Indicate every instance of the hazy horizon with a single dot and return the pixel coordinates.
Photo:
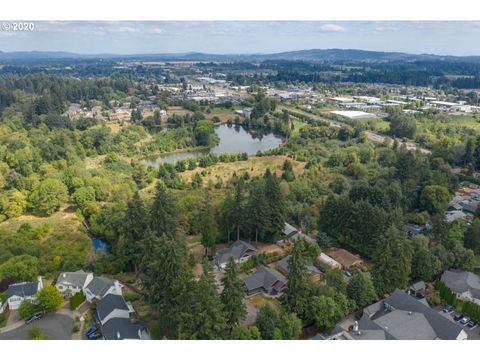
(458, 38)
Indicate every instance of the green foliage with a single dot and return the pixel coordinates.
(84, 196)
(48, 196)
(21, 268)
(208, 225)
(360, 289)
(243, 332)
(232, 295)
(434, 199)
(76, 300)
(393, 262)
(35, 333)
(402, 125)
(27, 309)
(49, 298)
(12, 203)
(205, 133)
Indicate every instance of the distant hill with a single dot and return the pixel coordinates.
(312, 54)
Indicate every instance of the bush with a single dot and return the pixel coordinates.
(27, 309)
(4, 318)
(76, 300)
(35, 333)
(76, 328)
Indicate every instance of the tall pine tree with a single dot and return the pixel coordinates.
(232, 295)
(164, 213)
(276, 207)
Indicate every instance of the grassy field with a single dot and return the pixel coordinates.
(258, 300)
(256, 166)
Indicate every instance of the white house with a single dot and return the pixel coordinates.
(24, 291)
(465, 284)
(70, 283)
(100, 286)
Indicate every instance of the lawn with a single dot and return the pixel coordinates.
(4, 318)
(258, 300)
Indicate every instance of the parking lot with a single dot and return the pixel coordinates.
(473, 334)
(53, 326)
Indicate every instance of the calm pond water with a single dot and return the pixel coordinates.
(232, 140)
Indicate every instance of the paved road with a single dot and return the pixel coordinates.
(370, 134)
(55, 326)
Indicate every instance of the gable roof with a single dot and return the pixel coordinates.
(100, 285)
(237, 250)
(265, 278)
(402, 317)
(443, 327)
(462, 281)
(23, 289)
(109, 303)
(76, 278)
(284, 267)
(121, 328)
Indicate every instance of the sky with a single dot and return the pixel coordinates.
(245, 37)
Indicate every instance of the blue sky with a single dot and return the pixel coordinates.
(125, 37)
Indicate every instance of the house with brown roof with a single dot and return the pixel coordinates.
(345, 258)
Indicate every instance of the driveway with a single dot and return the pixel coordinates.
(54, 326)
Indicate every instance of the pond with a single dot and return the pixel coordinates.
(233, 139)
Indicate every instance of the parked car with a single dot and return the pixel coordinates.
(458, 317)
(347, 273)
(91, 331)
(36, 316)
(94, 336)
(472, 324)
(448, 309)
(464, 321)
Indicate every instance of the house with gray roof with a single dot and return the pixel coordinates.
(100, 286)
(114, 319)
(265, 280)
(24, 291)
(401, 317)
(283, 267)
(112, 306)
(70, 283)
(292, 234)
(240, 250)
(124, 329)
(465, 284)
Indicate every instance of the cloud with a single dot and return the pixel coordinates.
(156, 31)
(332, 28)
(125, 29)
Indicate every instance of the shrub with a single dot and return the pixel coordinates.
(76, 300)
(27, 309)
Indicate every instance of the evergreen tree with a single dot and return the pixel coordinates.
(257, 210)
(392, 262)
(296, 295)
(267, 322)
(132, 232)
(164, 213)
(227, 216)
(232, 295)
(425, 265)
(360, 289)
(166, 277)
(238, 208)
(207, 321)
(276, 207)
(243, 332)
(208, 225)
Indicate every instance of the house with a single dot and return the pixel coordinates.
(113, 317)
(265, 280)
(24, 291)
(112, 306)
(70, 283)
(324, 259)
(283, 267)
(101, 286)
(401, 317)
(292, 234)
(345, 258)
(124, 329)
(465, 284)
(240, 250)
